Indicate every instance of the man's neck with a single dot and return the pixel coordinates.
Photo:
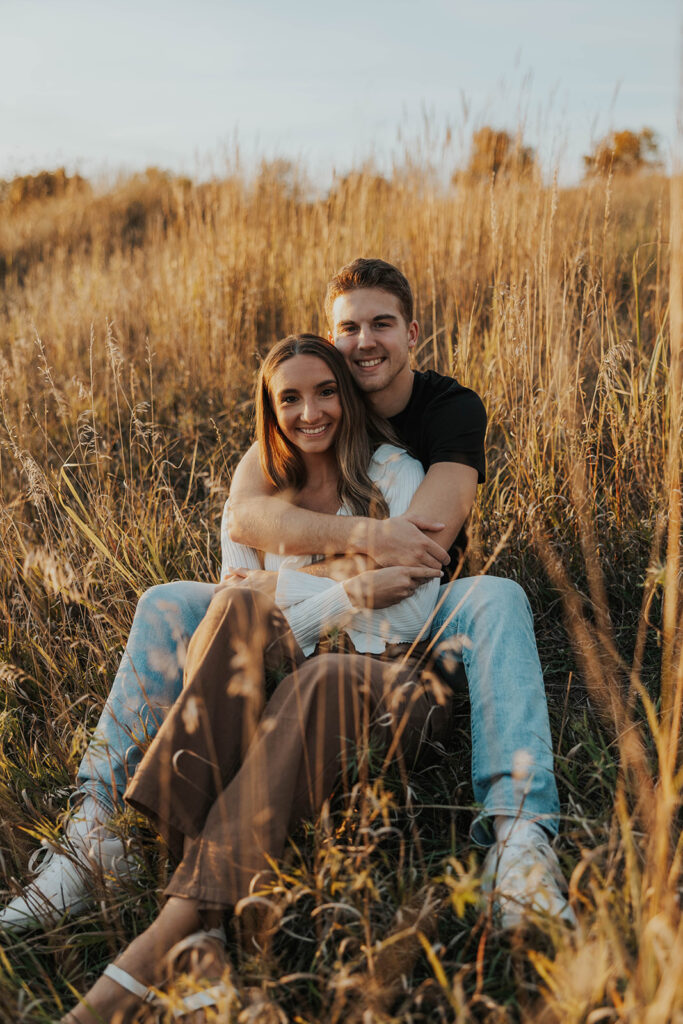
(392, 400)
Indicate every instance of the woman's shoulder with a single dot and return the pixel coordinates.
(389, 457)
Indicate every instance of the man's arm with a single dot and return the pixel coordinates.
(261, 518)
(446, 494)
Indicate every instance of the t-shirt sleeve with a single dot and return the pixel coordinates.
(455, 429)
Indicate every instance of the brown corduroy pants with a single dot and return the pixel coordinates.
(234, 768)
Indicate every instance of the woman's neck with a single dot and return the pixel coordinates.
(321, 468)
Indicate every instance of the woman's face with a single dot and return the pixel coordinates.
(305, 398)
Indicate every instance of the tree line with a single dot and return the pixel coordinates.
(494, 153)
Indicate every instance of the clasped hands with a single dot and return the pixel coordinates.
(402, 558)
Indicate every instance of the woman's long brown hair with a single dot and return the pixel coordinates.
(360, 430)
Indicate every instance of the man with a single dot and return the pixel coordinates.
(485, 621)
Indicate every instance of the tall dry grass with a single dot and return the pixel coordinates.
(131, 322)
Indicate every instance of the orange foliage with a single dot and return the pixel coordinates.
(45, 185)
(624, 152)
(500, 154)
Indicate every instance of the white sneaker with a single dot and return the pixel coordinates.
(525, 876)
(65, 879)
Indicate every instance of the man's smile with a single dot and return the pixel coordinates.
(367, 364)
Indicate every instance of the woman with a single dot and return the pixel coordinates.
(224, 779)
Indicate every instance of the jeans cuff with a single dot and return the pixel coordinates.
(481, 829)
(99, 792)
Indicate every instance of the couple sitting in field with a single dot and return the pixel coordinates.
(238, 762)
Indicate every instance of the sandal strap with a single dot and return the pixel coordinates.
(131, 984)
(207, 933)
(199, 1000)
(196, 939)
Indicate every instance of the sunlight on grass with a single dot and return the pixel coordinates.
(131, 322)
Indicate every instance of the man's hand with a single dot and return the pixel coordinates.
(255, 579)
(265, 520)
(380, 588)
(403, 541)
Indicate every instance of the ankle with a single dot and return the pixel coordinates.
(178, 919)
(143, 958)
(91, 813)
(518, 829)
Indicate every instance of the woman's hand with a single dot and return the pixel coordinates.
(255, 579)
(380, 588)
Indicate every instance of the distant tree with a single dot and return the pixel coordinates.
(498, 153)
(624, 152)
(45, 185)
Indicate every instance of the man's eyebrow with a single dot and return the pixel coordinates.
(380, 316)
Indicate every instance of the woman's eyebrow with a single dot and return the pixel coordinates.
(318, 384)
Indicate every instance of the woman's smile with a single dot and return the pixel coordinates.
(314, 431)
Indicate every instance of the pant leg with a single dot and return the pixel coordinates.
(146, 685)
(242, 638)
(307, 737)
(487, 623)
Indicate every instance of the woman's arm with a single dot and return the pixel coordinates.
(314, 605)
(399, 476)
(269, 521)
(233, 555)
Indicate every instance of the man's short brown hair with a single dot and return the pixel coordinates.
(370, 273)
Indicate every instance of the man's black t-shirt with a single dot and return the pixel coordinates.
(443, 422)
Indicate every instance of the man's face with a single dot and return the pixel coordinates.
(370, 332)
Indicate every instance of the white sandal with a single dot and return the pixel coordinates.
(202, 998)
(147, 994)
(195, 938)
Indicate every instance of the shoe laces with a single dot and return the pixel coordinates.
(41, 857)
(527, 869)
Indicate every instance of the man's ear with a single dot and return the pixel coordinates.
(330, 337)
(413, 333)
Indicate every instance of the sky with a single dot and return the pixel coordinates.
(119, 86)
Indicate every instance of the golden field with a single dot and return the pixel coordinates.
(131, 320)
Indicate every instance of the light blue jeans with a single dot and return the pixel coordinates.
(483, 621)
(486, 622)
